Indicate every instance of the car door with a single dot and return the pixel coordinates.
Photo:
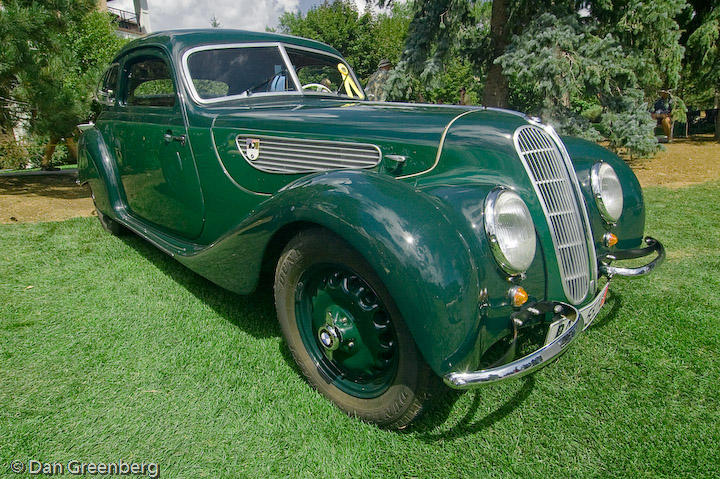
(154, 159)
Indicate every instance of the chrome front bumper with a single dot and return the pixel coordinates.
(533, 361)
(582, 318)
(653, 246)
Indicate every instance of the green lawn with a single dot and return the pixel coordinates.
(23, 170)
(110, 350)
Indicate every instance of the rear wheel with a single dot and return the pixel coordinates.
(346, 333)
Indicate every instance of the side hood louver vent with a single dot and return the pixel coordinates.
(273, 154)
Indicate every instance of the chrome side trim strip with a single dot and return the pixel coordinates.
(440, 146)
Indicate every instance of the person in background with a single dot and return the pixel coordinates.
(375, 89)
(662, 112)
(464, 100)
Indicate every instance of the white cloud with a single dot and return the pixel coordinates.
(243, 14)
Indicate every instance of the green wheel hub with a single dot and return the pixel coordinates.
(347, 330)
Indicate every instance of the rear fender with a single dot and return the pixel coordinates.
(97, 168)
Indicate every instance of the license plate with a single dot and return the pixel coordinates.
(590, 311)
(557, 328)
(588, 314)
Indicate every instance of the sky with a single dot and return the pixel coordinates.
(243, 14)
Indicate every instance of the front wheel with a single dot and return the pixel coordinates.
(346, 334)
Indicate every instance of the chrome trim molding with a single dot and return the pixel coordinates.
(187, 78)
(554, 181)
(440, 146)
(527, 364)
(284, 155)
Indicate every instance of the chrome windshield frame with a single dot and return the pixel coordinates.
(187, 77)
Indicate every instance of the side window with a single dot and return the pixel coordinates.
(149, 83)
(108, 86)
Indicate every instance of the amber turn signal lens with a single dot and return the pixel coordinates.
(610, 239)
(518, 296)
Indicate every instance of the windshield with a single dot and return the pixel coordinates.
(221, 73)
(324, 74)
(233, 72)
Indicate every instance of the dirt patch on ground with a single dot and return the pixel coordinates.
(57, 197)
(685, 161)
(43, 198)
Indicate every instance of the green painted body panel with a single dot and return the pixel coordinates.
(411, 131)
(420, 227)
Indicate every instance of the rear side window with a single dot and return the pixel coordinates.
(108, 86)
(225, 72)
(149, 83)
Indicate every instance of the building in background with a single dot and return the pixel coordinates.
(130, 24)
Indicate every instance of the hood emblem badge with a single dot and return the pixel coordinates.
(252, 148)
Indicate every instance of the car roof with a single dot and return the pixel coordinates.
(180, 40)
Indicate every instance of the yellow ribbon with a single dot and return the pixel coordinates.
(348, 82)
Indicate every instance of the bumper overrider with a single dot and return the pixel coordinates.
(574, 320)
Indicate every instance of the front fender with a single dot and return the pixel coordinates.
(404, 234)
(631, 224)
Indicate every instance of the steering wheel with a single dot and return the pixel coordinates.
(317, 87)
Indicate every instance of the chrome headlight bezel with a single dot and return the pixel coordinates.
(609, 211)
(492, 229)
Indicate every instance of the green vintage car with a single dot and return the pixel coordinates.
(410, 245)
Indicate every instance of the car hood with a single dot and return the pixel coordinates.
(410, 130)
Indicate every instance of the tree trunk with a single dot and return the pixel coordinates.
(496, 85)
(47, 156)
(72, 147)
(717, 115)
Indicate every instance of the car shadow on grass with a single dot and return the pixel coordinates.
(427, 427)
(606, 316)
(253, 313)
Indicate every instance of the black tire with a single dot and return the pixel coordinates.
(414, 382)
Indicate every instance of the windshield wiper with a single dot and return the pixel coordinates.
(249, 91)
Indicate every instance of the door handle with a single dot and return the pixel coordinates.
(169, 137)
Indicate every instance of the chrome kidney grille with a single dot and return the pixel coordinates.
(559, 196)
(295, 155)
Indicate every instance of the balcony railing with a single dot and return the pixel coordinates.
(126, 20)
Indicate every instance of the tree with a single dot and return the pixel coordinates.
(702, 60)
(569, 64)
(557, 59)
(352, 33)
(56, 53)
(496, 86)
(214, 22)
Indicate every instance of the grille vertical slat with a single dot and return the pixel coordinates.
(548, 171)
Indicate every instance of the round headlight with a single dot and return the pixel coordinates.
(607, 191)
(510, 229)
